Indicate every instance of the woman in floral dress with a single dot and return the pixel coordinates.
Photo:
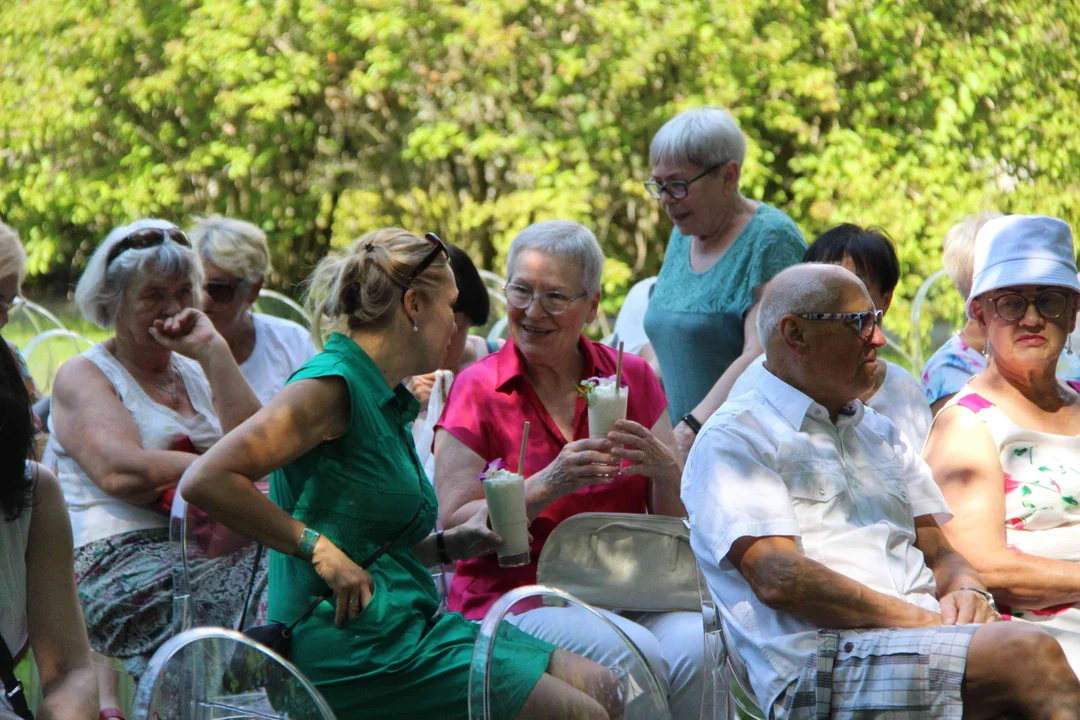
(1006, 448)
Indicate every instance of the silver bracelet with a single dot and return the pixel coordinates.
(986, 594)
(306, 548)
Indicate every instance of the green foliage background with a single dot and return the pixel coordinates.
(320, 119)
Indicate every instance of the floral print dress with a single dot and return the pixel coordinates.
(1042, 505)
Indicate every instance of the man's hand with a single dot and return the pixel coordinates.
(965, 607)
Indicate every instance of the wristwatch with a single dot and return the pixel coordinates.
(692, 423)
(989, 597)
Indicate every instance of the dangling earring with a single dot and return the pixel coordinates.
(416, 329)
(1068, 345)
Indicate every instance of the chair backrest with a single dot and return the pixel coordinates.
(50, 349)
(640, 691)
(214, 673)
(936, 310)
(31, 318)
(282, 306)
(206, 554)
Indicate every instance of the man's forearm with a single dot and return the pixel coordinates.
(825, 598)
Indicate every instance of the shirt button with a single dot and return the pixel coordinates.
(848, 647)
(821, 491)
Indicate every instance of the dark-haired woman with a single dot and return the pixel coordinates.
(470, 310)
(38, 603)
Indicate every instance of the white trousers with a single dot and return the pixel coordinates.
(672, 642)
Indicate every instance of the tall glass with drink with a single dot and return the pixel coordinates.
(505, 494)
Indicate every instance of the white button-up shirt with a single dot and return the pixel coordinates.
(770, 462)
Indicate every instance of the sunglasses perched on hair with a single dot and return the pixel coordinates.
(677, 189)
(1050, 304)
(863, 323)
(438, 246)
(147, 238)
(223, 291)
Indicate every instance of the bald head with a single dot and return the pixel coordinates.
(806, 288)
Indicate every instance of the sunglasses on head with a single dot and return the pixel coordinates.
(147, 238)
(222, 291)
(438, 246)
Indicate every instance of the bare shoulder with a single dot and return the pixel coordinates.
(78, 376)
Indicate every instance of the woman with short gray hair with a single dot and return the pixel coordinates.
(700, 319)
(128, 417)
(236, 260)
(539, 376)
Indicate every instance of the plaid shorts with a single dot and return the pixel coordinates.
(895, 674)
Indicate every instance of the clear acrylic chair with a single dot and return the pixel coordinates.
(206, 554)
(48, 350)
(274, 303)
(936, 310)
(726, 681)
(640, 691)
(218, 674)
(27, 318)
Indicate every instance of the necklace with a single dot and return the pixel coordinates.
(172, 388)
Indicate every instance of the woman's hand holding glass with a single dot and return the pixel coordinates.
(579, 464)
(352, 584)
(472, 539)
(647, 455)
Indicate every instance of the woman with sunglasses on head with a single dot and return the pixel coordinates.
(701, 316)
(128, 417)
(351, 511)
(554, 271)
(235, 262)
(1006, 449)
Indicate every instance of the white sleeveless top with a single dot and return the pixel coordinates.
(14, 535)
(95, 514)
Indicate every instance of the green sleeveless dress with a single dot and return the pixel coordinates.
(397, 659)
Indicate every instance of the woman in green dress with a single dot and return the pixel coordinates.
(345, 480)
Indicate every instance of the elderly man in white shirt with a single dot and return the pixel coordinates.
(815, 525)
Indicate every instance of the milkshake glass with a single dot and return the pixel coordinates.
(606, 406)
(505, 493)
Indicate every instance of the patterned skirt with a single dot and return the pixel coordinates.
(125, 586)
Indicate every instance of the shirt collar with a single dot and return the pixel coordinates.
(794, 405)
(510, 363)
(399, 401)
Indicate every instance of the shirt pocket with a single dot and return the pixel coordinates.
(896, 497)
(814, 490)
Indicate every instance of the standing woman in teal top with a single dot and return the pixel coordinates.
(701, 317)
(345, 480)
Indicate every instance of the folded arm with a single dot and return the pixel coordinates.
(965, 462)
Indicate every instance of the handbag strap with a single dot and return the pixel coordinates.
(13, 689)
(365, 564)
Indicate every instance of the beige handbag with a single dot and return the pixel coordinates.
(623, 561)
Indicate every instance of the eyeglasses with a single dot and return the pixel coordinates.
(146, 238)
(1050, 304)
(677, 189)
(553, 302)
(863, 323)
(223, 291)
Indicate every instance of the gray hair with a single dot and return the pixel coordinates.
(12, 254)
(237, 247)
(565, 239)
(958, 250)
(798, 290)
(703, 137)
(102, 286)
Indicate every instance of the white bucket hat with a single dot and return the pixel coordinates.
(1023, 250)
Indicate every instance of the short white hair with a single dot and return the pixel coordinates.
(702, 137)
(12, 254)
(795, 291)
(101, 288)
(565, 239)
(237, 247)
(958, 250)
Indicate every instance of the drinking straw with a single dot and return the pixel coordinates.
(618, 370)
(524, 440)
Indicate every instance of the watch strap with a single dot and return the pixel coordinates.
(692, 422)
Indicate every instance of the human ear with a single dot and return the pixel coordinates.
(792, 334)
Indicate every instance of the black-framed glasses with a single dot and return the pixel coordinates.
(553, 301)
(1050, 304)
(146, 238)
(677, 189)
(862, 322)
(223, 291)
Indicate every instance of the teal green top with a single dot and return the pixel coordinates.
(397, 659)
(695, 320)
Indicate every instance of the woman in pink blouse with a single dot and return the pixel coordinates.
(553, 292)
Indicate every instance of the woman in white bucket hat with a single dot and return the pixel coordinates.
(1006, 449)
